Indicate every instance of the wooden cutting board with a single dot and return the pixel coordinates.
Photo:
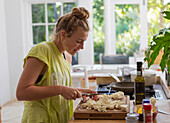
(82, 113)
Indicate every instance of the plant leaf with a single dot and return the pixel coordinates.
(162, 65)
(147, 54)
(168, 65)
(167, 14)
(163, 61)
(160, 41)
(154, 54)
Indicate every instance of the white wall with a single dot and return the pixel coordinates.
(4, 69)
(14, 42)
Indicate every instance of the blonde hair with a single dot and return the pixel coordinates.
(70, 22)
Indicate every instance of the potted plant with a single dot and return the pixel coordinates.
(160, 41)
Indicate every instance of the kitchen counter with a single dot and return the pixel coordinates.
(0, 114)
(81, 70)
(162, 105)
(164, 86)
(161, 118)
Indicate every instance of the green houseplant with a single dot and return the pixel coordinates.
(160, 41)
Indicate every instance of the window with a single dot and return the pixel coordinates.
(119, 27)
(127, 23)
(45, 28)
(44, 17)
(137, 10)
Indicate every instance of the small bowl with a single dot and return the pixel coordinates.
(138, 109)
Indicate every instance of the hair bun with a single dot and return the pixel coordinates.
(80, 13)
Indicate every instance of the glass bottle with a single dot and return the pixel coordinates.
(139, 85)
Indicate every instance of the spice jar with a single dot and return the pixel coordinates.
(132, 118)
(145, 101)
(147, 113)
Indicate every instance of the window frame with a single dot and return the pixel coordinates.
(46, 24)
(109, 21)
(26, 19)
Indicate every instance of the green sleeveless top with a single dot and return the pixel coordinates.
(54, 109)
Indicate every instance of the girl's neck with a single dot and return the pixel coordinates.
(59, 46)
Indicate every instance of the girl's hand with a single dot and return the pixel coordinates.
(70, 93)
(85, 90)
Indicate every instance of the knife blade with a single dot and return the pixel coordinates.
(160, 111)
(89, 94)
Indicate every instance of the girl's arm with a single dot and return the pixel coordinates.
(26, 90)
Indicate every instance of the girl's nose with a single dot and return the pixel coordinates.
(81, 46)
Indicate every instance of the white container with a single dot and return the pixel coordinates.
(149, 76)
(132, 118)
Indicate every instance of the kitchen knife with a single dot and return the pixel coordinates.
(160, 111)
(90, 94)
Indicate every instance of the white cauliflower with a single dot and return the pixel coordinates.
(124, 108)
(117, 96)
(106, 102)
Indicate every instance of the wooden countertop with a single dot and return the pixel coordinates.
(165, 106)
(161, 118)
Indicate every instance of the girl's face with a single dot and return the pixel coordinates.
(74, 43)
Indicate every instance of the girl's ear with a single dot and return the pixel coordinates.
(63, 34)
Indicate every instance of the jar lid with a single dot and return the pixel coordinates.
(146, 101)
(132, 115)
(139, 63)
(147, 106)
(132, 119)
